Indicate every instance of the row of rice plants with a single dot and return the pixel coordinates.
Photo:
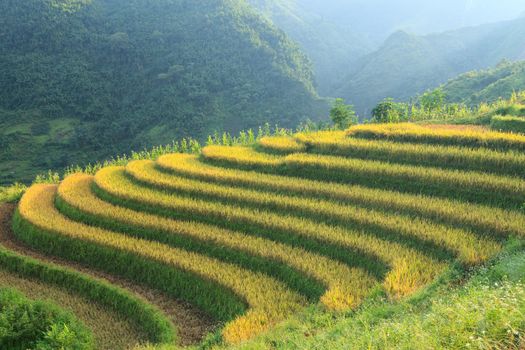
(409, 132)
(345, 286)
(281, 145)
(469, 247)
(470, 186)
(409, 269)
(157, 328)
(217, 287)
(452, 157)
(483, 219)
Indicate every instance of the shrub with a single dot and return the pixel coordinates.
(39, 325)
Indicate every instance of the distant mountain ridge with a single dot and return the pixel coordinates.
(330, 45)
(407, 64)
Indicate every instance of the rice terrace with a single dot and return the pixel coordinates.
(262, 175)
(250, 235)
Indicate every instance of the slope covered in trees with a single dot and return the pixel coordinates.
(487, 85)
(84, 79)
(332, 45)
(408, 64)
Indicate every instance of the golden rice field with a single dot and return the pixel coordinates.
(251, 235)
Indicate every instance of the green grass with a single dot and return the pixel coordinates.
(479, 309)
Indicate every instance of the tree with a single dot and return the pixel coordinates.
(342, 115)
(432, 101)
(389, 111)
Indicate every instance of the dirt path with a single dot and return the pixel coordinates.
(192, 324)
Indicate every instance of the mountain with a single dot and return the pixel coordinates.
(337, 34)
(332, 45)
(407, 64)
(487, 85)
(85, 79)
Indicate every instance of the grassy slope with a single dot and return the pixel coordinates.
(483, 307)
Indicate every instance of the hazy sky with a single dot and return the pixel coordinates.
(381, 17)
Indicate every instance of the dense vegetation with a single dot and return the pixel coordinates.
(488, 85)
(38, 325)
(407, 64)
(83, 80)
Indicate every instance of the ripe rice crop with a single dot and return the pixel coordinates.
(408, 132)
(242, 157)
(470, 248)
(280, 145)
(409, 269)
(461, 158)
(479, 218)
(471, 186)
(268, 300)
(346, 286)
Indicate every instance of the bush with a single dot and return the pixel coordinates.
(509, 124)
(39, 325)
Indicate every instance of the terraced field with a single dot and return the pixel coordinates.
(251, 235)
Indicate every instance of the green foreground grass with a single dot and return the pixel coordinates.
(477, 309)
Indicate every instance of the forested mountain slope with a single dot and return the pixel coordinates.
(332, 45)
(487, 85)
(84, 79)
(408, 64)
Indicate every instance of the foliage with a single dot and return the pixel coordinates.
(389, 111)
(487, 86)
(342, 115)
(84, 79)
(406, 65)
(508, 124)
(12, 193)
(156, 326)
(39, 325)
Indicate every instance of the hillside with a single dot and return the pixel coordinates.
(487, 85)
(406, 64)
(82, 80)
(332, 45)
(394, 221)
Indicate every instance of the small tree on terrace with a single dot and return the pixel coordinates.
(433, 101)
(342, 115)
(389, 111)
